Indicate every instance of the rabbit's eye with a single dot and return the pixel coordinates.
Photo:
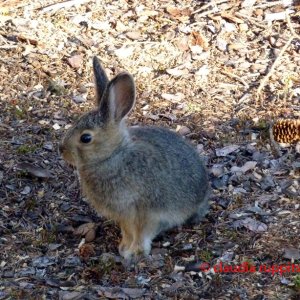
(85, 138)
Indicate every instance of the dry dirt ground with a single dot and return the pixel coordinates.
(218, 72)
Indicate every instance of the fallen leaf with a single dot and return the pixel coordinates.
(249, 165)
(171, 97)
(251, 224)
(86, 251)
(26, 190)
(226, 150)
(198, 39)
(75, 61)
(177, 72)
(291, 253)
(34, 170)
(178, 12)
(134, 35)
(124, 52)
(231, 18)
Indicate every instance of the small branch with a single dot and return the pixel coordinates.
(204, 7)
(66, 4)
(275, 63)
(236, 78)
(277, 60)
(271, 3)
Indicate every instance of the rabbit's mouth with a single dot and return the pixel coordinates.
(66, 155)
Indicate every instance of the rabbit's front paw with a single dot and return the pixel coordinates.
(123, 248)
(138, 249)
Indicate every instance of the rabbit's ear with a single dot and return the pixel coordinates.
(100, 79)
(119, 97)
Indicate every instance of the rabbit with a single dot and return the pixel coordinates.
(147, 179)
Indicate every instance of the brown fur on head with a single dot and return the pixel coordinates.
(98, 133)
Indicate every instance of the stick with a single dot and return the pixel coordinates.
(236, 78)
(66, 4)
(277, 60)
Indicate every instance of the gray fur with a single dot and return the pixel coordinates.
(146, 177)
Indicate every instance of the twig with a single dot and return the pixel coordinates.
(236, 78)
(213, 3)
(252, 20)
(277, 60)
(66, 4)
(270, 4)
(291, 28)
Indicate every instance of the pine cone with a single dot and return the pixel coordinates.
(286, 131)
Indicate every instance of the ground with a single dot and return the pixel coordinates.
(217, 72)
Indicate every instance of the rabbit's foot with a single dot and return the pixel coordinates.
(138, 249)
(123, 248)
(126, 241)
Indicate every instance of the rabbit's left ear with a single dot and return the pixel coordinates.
(101, 79)
(118, 98)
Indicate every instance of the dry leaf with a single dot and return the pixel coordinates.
(34, 171)
(249, 165)
(171, 97)
(251, 224)
(177, 12)
(86, 251)
(198, 39)
(291, 253)
(134, 35)
(177, 72)
(231, 18)
(75, 61)
(226, 150)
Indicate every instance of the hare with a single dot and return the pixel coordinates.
(147, 179)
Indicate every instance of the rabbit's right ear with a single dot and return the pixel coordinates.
(118, 98)
(100, 78)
